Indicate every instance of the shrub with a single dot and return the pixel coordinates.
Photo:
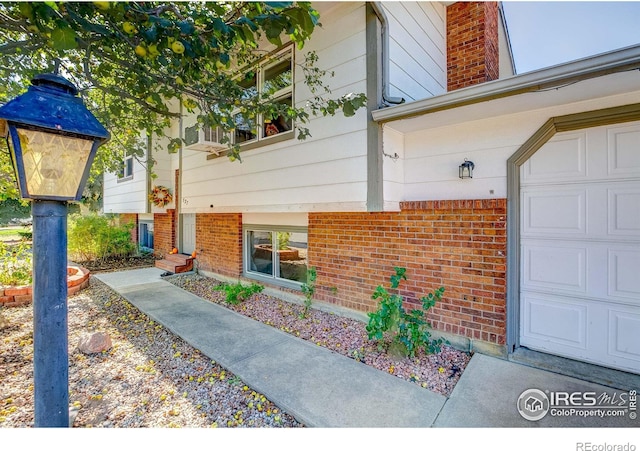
(237, 292)
(309, 289)
(95, 237)
(405, 332)
(15, 264)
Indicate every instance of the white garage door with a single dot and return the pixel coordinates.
(580, 247)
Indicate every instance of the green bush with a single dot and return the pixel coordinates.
(405, 332)
(95, 237)
(309, 289)
(237, 292)
(15, 264)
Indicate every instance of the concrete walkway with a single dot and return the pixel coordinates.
(321, 388)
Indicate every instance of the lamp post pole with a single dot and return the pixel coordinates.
(50, 329)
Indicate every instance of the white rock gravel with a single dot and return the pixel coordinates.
(152, 378)
(149, 377)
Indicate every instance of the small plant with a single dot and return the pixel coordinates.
(405, 331)
(309, 289)
(15, 264)
(283, 240)
(237, 292)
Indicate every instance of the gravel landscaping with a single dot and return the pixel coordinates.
(149, 377)
(152, 378)
(436, 372)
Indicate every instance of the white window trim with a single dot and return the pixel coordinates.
(246, 256)
(125, 177)
(283, 93)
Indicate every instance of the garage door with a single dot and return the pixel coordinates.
(580, 247)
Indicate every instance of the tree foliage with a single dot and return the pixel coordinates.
(135, 62)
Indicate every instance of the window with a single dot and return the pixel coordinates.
(126, 169)
(272, 79)
(145, 235)
(276, 254)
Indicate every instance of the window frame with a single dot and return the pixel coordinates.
(246, 254)
(123, 174)
(276, 57)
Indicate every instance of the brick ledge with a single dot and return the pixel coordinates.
(77, 279)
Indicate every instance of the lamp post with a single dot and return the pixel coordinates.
(52, 139)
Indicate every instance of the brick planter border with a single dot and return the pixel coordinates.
(77, 279)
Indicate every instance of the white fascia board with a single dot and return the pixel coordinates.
(617, 61)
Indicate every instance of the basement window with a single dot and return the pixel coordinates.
(276, 254)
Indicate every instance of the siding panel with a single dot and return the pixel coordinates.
(417, 49)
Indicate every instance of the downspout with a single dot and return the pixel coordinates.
(178, 200)
(149, 163)
(382, 17)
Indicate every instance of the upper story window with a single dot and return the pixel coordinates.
(126, 169)
(273, 79)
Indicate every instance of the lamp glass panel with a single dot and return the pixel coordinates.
(53, 164)
(14, 161)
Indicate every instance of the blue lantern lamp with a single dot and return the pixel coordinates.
(53, 139)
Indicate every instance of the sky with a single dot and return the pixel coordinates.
(547, 33)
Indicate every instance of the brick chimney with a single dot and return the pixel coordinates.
(472, 44)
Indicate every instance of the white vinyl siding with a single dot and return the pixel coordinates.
(324, 172)
(131, 195)
(393, 169)
(126, 195)
(417, 49)
(433, 153)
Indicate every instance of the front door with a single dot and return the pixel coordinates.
(188, 233)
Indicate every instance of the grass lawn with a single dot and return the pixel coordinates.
(11, 233)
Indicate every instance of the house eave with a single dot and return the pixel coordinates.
(621, 60)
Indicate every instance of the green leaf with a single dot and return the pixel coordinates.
(348, 109)
(26, 10)
(64, 38)
(220, 26)
(151, 33)
(279, 5)
(186, 27)
(247, 21)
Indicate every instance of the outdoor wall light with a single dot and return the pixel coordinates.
(465, 170)
(52, 139)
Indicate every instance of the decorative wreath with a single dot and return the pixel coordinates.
(160, 196)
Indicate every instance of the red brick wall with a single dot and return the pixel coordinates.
(164, 232)
(472, 44)
(219, 243)
(126, 218)
(460, 245)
